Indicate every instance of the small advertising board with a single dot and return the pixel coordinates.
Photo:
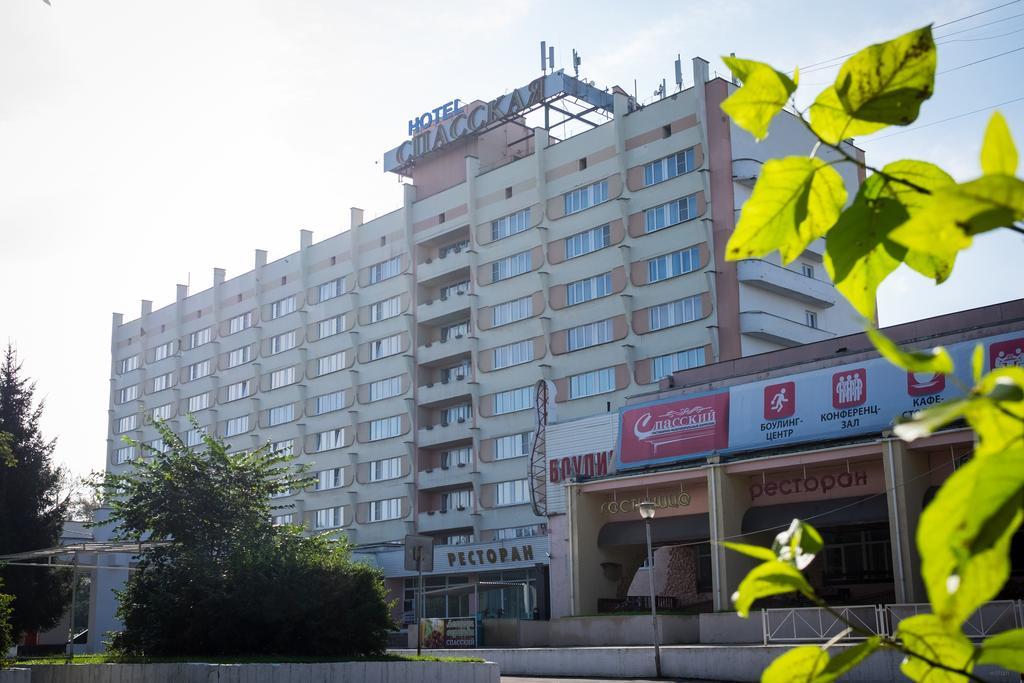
(456, 632)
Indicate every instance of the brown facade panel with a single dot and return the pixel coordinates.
(658, 133)
(435, 220)
(556, 205)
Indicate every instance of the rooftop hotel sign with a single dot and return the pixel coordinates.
(821, 405)
(452, 121)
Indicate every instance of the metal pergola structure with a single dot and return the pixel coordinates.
(57, 557)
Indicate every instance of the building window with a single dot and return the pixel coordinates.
(457, 539)
(282, 378)
(332, 363)
(194, 437)
(513, 400)
(284, 448)
(669, 167)
(457, 457)
(283, 307)
(157, 446)
(200, 337)
(513, 446)
(455, 330)
(198, 402)
(128, 364)
(512, 311)
(385, 388)
(328, 518)
(457, 500)
(238, 390)
(676, 312)
(239, 323)
(585, 197)
(332, 289)
(332, 438)
(162, 412)
(328, 403)
(591, 334)
(124, 454)
(389, 468)
(513, 354)
(330, 326)
(385, 428)
(457, 413)
(453, 248)
(670, 214)
(388, 346)
(664, 366)
(383, 510)
(514, 492)
(284, 342)
(330, 479)
(588, 288)
(126, 424)
(199, 370)
(126, 394)
(455, 289)
(811, 318)
(857, 555)
(587, 241)
(236, 426)
(239, 356)
(281, 520)
(163, 351)
(456, 373)
(385, 270)
(511, 266)
(161, 382)
(670, 265)
(510, 224)
(382, 310)
(590, 383)
(280, 415)
(515, 532)
(807, 269)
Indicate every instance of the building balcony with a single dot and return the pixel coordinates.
(438, 520)
(442, 265)
(444, 308)
(444, 391)
(773, 278)
(435, 435)
(444, 477)
(438, 351)
(779, 330)
(746, 171)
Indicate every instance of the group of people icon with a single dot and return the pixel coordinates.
(849, 389)
(1009, 360)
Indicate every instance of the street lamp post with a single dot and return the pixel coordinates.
(647, 512)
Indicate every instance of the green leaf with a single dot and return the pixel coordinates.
(847, 659)
(755, 551)
(764, 93)
(887, 83)
(925, 422)
(998, 153)
(997, 411)
(1004, 649)
(804, 663)
(936, 360)
(832, 123)
(964, 535)
(767, 579)
(926, 636)
(795, 201)
(798, 544)
(978, 362)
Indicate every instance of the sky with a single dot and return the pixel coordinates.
(145, 142)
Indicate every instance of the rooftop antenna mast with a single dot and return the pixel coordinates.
(679, 72)
(576, 61)
(547, 57)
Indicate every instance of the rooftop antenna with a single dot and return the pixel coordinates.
(576, 61)
(551, 58)
(679, 71)
(543, 56)
(662, 89)
(735, 81)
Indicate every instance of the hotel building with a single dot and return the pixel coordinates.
(398, 359)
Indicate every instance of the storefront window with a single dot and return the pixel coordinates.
(438, 603)
(517, 601)
(704, 568)
(857, 555)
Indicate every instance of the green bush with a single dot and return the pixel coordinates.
(6, 629)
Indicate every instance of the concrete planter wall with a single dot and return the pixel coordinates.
(728, 628)
(339, 672)
(15, 676)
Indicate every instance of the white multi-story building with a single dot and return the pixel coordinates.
(398, 359)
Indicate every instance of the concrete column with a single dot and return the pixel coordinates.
(906, 483)
(725, 516)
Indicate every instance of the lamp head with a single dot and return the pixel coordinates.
(647, 509)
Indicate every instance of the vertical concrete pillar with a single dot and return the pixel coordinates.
(727, 496)
(906, 483)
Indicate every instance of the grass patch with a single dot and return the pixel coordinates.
(251, 659)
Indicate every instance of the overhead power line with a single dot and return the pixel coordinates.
(935, 123)
(984, 11)
(964, 66)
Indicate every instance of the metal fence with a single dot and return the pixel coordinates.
(813, 624)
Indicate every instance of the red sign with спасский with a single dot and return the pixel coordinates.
(675, 429)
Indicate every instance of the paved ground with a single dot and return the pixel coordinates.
(530, 679)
